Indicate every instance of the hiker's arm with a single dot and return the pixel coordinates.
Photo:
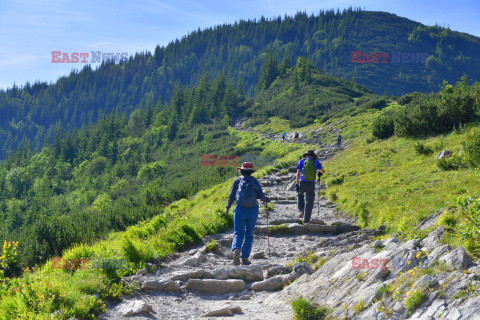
(320, 169)
(233, 192)
(297, 181)
(260, 194)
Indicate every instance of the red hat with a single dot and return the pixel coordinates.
(247, 166)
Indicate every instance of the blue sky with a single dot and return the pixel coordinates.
(30, 30)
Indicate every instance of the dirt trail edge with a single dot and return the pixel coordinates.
(355, 277)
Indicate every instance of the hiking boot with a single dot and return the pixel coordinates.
(236, 257)
(245, 261)
(301, 215)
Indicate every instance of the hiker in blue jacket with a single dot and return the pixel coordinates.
(245, 190)
(307, 170)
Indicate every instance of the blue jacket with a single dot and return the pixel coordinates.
(236, 183)
(318, 166)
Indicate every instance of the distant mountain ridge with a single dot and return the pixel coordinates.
(34, 113)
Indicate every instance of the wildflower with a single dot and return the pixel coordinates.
(408, 293)
(409, 261)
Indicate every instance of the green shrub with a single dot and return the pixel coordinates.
(305, 310)
(278, 230)
(453, 162)
(383, 127)
(211, 245)
(420, 148)
(472, 148)
(130, 251)
(414, 300)
(468, 208)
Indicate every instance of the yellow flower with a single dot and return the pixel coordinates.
(409, 261)
(408, 293)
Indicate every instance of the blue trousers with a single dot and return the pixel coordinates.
(244, 220)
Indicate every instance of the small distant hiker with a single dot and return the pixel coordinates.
(307, 170)
(339, 141)
(284, 135)
(296, 135)
(245, 190)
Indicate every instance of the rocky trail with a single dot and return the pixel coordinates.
(195, 283)
(328, 261)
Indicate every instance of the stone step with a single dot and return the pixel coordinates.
(211, 286)
(301, 229)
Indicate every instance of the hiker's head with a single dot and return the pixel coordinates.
(246, 169)
(310, 154)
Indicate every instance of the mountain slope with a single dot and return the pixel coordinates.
(35, 112)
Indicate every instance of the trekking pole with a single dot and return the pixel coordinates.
(268, 229)
(318, 199)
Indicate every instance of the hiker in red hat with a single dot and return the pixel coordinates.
(245, 190)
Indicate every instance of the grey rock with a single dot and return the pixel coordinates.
(458, 259)
(186, 275)
(433, 239)
(193, 261)
(247, 273)
(443, 154)
(301, 268)
(436, 253)
(133, 307)
(167, 286)
(258, 255)
(211, 286)
(274, 283)
(426, 282)
(430, 221)
(224, 312)
(276, 222)
(142, 272)
(319, 228)
(277, 270)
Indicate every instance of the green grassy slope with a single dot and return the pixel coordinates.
(40, 292)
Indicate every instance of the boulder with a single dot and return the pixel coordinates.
(258, 255)
(247, 273)
(142, 272)
(277, 270)
(433, 239)
(458, 259)
(187, 275)
(133, 307)
(168, 286)
(443, 154)
(211, 286)
(224, 312)
(274, 283)
(301, 268)
(436, 253)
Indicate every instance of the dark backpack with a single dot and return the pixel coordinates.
(247, 193)
(309, 170)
